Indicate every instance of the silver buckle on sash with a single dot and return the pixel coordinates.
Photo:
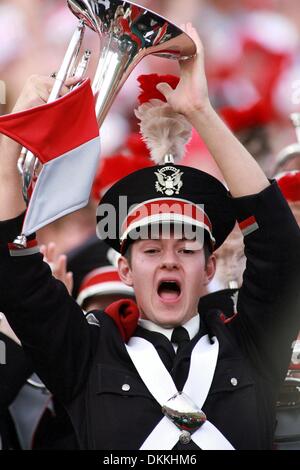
(185, 414)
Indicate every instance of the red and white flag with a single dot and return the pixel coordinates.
(64, 136)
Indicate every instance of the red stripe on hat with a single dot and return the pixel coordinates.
(165, 206)
(99, 276)
(56, 128)
(246, 223)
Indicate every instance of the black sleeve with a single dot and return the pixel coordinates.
(51, 326)
(15, 368)
(269, 299)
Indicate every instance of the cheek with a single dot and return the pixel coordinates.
(195, 278)
(195, 284)
(142, 275)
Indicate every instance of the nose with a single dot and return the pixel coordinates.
(169, 260)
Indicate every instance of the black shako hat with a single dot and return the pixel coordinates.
(167, 193)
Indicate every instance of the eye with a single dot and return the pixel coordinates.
(151, 251)
(186, 252)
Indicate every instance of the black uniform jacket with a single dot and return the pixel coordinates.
(85, 363)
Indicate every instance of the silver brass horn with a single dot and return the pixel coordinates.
(127, 33)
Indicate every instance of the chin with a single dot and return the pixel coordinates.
(170, 321)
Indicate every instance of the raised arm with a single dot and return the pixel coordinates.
(50, 325)
(240, 171)
(268, 303)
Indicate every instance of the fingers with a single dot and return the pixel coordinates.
(50, 252)
(45, 85)
(51, 256)
(59, 269)
(34, 93)
(58, 265)
(39, 86)
(189, 29)
(60, 272)
(71, 81)
(165, 89)
(69, 283)
(37, 90)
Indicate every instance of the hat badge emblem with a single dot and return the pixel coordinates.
(169, 180)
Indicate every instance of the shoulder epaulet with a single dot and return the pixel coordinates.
(91, 319)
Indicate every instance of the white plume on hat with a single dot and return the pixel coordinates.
(164, 131)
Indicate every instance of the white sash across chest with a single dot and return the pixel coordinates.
(161, 386)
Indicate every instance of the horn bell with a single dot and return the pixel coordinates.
(128, 33)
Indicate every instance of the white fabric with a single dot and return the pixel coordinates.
(192, 326)
(143, 352)
(25, 251)
(105, 288)
(63, 186)
(160, 384)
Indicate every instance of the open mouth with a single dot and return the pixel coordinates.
(169, 291)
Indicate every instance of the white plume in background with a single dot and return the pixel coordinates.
(164, 131)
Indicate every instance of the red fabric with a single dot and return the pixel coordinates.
(290, 186)
(135, 12)
(264, 74)
(246, 223)
(148, 86)
(227, 320)
(166, 206)
(125, 314)
(272, 66)
(29, 244)
(132, 157)
(238, 119)
(136, 146)
(124, 25)
(114, 168)
(53, 129)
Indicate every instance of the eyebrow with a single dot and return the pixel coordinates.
(192, 243)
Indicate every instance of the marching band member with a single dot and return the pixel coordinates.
(159, 374)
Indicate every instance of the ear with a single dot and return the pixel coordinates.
(125, 272)
(210, 269)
